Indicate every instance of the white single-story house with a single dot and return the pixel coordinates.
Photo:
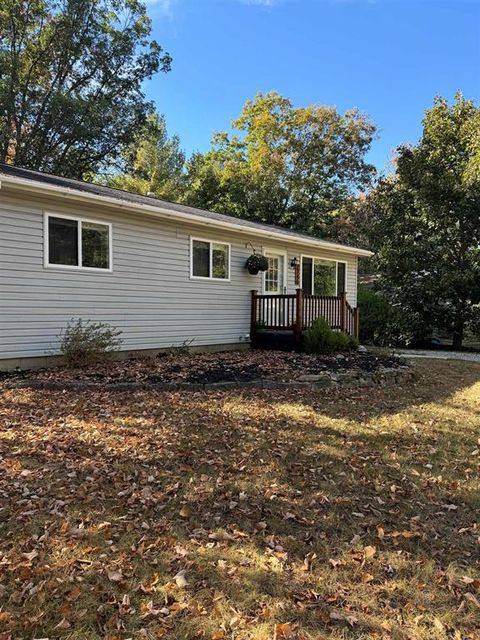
(165, 274)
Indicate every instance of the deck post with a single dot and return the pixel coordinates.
(298, 327)
(356, 321)
(343, 311)
(253, 313)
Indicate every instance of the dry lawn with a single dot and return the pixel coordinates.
(254, 515)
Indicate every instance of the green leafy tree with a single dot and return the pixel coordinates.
(71, 74)
(153, 162)
(427, 229)
(295, 167)
(352, 225)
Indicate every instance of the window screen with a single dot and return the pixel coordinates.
(220, 260)
(95, 249)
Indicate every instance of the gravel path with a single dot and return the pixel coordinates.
(438, 355)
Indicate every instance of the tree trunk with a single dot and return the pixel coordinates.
(458, 329)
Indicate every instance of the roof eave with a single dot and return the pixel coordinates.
(170, 214)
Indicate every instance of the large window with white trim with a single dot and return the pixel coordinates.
(77, 243)
(323, 277)
(209, 260)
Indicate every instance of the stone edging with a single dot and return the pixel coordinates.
(352, 378)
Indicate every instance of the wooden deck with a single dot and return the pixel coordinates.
(296, 312)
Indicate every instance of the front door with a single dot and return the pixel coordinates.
(274, 278)
(274, 283)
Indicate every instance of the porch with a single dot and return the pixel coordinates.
(291, 314)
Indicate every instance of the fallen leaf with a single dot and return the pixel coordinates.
(437, 623)
(471, 598)
(221, 536)
(63, 624)
(180, 579)
(340, 617)
(115, 576)
(369, 552)
(283, 631)
(185, 511)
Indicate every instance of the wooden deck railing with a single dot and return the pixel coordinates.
(297, 312)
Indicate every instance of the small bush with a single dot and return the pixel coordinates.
(182, 349)
(83, 343)
(320, 338)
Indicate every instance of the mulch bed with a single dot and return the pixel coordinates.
(207, 368)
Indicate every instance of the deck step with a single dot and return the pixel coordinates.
(275, 340)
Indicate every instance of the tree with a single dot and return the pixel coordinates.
(153, 162)
(427, 230)
(71, 74)
(352, 225)
(294, 167)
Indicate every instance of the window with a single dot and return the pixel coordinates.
(62, 241)
(323, 277)
(210, 259)
(307, 275)
(341, 277)
(77, 243)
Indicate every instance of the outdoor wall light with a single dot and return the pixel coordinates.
(295, 264)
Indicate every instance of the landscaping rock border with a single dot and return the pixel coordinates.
(351, 378)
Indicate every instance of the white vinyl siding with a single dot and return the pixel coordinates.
(149, 294)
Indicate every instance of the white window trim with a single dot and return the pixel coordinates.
(210, 278)
(275, 252)
(337, 262)
(75, 267)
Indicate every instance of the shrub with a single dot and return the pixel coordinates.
(386, 324)
(320, 338)
(83, 343)
(374, 311)
(379, 320)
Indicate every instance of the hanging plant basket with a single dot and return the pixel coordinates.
(256, 263)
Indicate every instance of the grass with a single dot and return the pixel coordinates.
(254, 515)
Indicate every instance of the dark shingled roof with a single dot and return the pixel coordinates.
(134, 198)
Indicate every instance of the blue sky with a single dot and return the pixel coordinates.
(389, 58)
